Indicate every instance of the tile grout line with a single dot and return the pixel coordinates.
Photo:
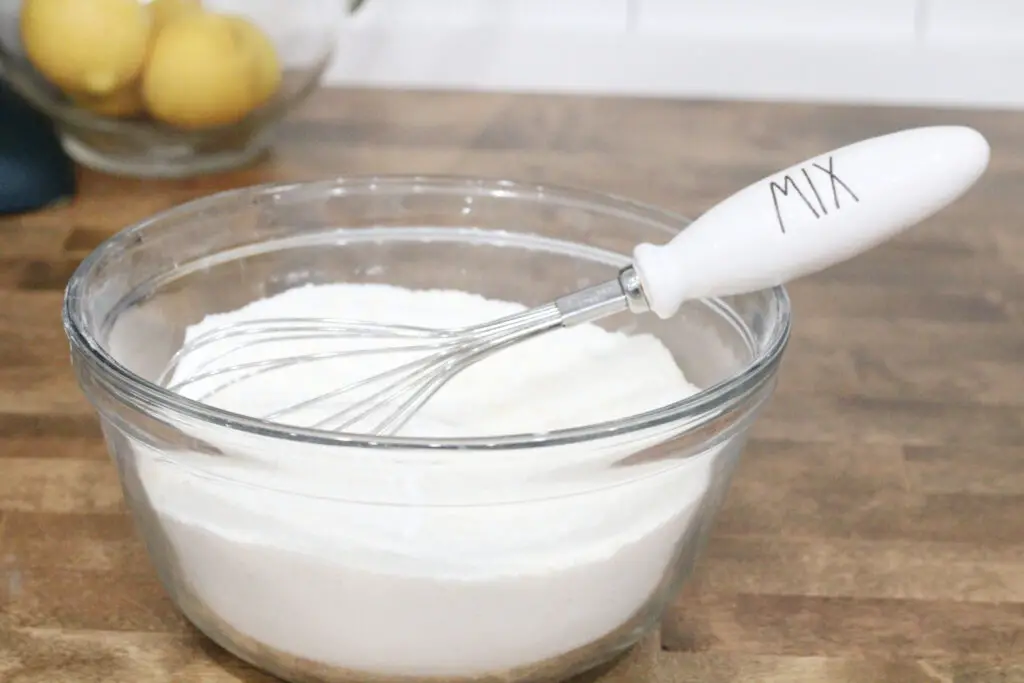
(632, 15)
(922, 16)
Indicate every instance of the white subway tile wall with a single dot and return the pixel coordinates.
(815, 19)
(911, 52)
(577, 15)
(958, 21)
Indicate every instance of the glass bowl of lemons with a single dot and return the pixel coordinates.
(166, 88)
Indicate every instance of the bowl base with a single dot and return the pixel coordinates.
(586, 663)
(178, 161)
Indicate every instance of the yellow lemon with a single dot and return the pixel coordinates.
(266, 65)
(164, 12)
(206, 70)
(124, 103)
(93, 47)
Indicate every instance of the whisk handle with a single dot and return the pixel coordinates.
(810, 216)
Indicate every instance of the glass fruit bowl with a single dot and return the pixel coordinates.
(307, 552)
(166, 88)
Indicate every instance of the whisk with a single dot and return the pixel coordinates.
(803, 219)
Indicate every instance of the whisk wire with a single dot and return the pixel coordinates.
(461, 358)
(395, 395)
(255, 332)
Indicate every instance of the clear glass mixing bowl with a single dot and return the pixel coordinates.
(559, 549)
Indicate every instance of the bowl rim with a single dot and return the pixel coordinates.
(28, 85)
(693, 412)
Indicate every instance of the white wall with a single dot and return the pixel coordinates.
(947, 52)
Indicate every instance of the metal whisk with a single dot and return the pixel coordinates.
(790, 224)
(399, 392)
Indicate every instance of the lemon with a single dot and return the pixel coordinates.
(208, 70)
(267, 67)
(164, 12)
(94, 47)
(124, 103)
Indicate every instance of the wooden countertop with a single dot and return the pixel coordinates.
(874, 533)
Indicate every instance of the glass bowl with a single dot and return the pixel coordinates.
(560, 549)
(199, 97)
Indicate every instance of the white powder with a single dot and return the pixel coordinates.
(536, 386)
(373, 561)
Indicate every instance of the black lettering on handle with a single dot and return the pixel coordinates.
(788, 184)
(834, 179)
(817, 196)
(783, 189)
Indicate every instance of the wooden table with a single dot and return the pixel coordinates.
(875, 531)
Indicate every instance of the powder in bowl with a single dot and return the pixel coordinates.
(566, 378)
(360, 561)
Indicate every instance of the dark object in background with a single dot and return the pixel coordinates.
(35, 172)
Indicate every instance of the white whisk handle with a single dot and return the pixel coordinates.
(812, 215)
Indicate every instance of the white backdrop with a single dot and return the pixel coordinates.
(948, 52)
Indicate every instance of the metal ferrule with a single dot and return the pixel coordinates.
(600, 301)
(633, 290)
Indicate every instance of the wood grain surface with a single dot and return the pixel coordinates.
(874, 533)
